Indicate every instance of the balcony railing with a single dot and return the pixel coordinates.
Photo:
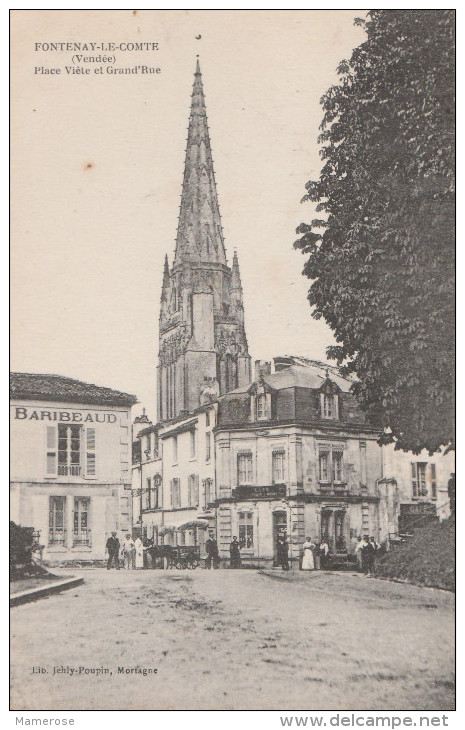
(333, 487)
(82, 537)
(57, 537)
(73, 470)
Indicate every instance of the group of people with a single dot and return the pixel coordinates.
(366, 550)
(131, 552)
(213, 556)
(136, 554)
(314, 556)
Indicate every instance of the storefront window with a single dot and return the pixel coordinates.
(57, 521)
(245, 520)
(81, 531)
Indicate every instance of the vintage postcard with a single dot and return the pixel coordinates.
(210, 509)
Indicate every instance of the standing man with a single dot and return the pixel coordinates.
(324, 550)
(113, 551)
(368, 556)
(235, 553)
(128, 552)
(451, 493)
(283, 553)
(211, 546)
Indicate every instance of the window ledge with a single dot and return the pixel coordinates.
(57, 548)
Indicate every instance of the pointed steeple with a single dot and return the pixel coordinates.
(199, 237)
(166, 278)
(236, 276)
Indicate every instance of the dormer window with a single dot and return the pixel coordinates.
(261, 407)
(329, 400)
(260, 401)
(329, 406)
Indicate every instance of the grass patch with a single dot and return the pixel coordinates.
(427, 559)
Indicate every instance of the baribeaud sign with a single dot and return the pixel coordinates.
(22, 413)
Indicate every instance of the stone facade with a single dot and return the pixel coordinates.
(70, 464)
(174, 479)
(295, 457)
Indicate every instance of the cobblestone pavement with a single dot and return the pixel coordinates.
(234, 640)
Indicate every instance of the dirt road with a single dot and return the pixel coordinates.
(234, 640)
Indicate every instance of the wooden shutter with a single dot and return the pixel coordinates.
(414, 480)
(90, 452)
(51, 465)
(434, 490)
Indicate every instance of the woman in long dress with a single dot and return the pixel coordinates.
(139, 545)
(307, 562)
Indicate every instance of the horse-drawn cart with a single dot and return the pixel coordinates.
(186, 556)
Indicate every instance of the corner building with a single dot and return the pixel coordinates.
(202, 340)
(70, 476)
(295, 457)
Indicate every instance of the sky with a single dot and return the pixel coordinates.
(97, 165)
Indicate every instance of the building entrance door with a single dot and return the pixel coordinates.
(333, 529)
(279, 530)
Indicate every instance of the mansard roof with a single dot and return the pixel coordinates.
(300, 376)
(38, 386)
(295, 397)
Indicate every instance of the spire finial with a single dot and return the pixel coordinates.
(197, 67)
(236, 277)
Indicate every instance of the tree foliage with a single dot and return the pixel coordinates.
(381, 256)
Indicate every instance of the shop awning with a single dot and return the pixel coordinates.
(166, 528)
(201, 524)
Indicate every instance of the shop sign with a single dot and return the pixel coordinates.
(22, 414)
(271, 491)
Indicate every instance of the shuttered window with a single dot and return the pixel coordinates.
(245, 469)
(419, 488)
(175, 493)
(192, 440)
(193, 490)
(279, 467)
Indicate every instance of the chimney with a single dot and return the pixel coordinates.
(262, 367)
(282, 363)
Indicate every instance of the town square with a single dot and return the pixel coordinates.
(232, 480)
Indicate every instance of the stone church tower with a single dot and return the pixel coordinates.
(202, 342)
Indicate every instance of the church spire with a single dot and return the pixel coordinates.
(166, 279)
(236, 276)
(199, 237)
